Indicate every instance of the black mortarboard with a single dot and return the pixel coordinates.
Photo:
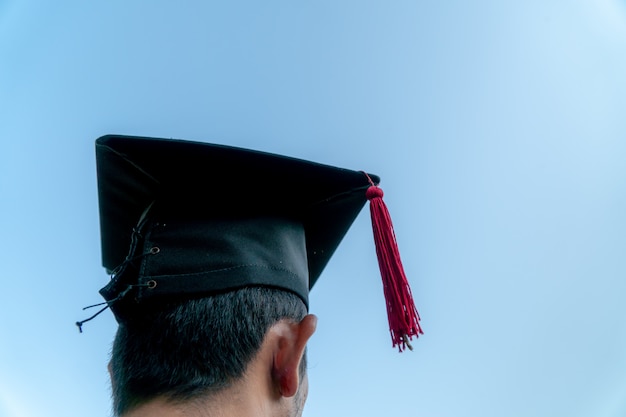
(183, 219)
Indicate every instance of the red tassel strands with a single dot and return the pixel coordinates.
(401, 312)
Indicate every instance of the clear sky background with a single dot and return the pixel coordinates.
(498, 129)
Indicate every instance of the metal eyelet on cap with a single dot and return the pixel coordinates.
(154, 250)
(151, 284)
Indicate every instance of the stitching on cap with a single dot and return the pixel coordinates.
(271, 268)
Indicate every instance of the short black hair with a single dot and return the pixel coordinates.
(187, 349)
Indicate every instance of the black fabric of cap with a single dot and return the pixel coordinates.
(186, 219)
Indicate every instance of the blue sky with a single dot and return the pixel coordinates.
(497, 128)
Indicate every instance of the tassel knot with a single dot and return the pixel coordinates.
(374, 192)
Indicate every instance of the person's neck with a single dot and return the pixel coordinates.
(242, 400)
(163, 408)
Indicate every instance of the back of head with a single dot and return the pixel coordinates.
(208, 246)
(184, 351)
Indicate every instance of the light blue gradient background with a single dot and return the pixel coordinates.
(498, 129)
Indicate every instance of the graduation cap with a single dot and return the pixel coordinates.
(183, 219)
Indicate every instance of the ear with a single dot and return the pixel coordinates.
(289, 351)
(111, 375)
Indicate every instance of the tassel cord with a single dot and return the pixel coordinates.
(122, 294)
(401, 312)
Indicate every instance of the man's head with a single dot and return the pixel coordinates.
(193, 351)
(212, 252)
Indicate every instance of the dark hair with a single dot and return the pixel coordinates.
(185, 350)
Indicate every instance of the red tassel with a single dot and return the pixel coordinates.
(401, 312)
